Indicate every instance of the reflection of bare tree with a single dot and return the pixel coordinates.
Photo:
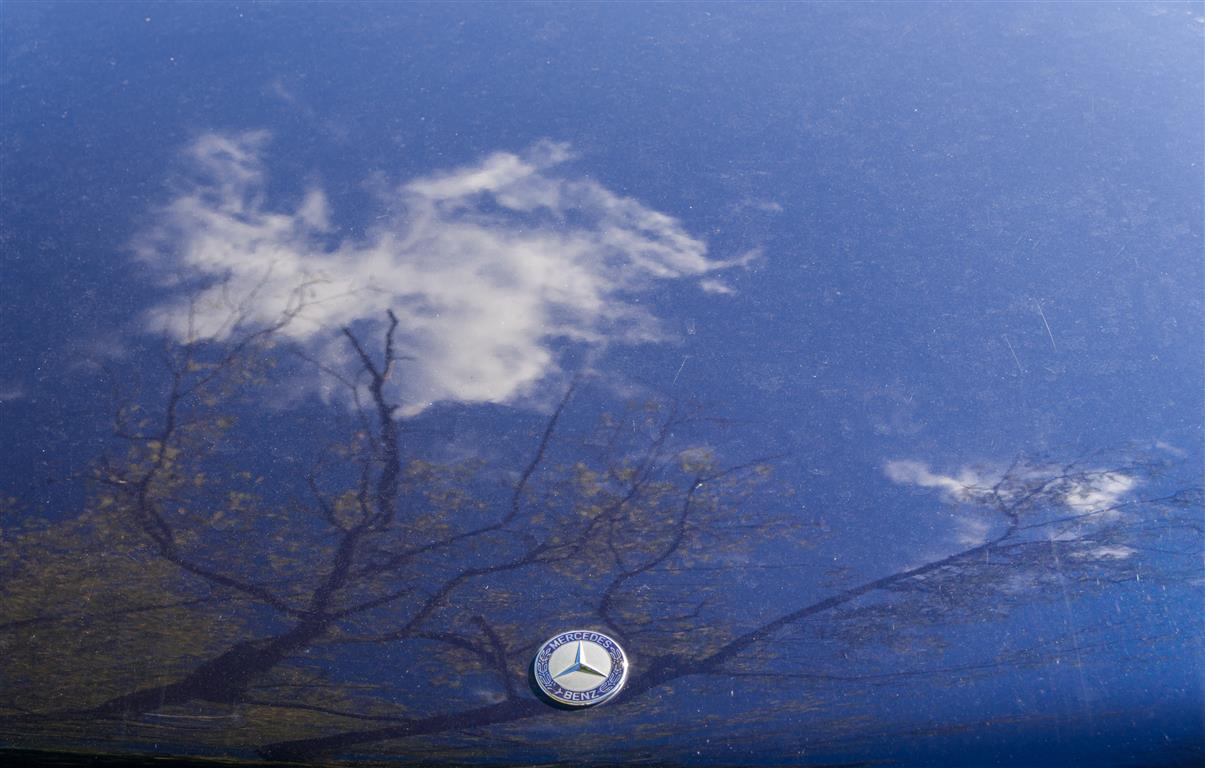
(240, 595)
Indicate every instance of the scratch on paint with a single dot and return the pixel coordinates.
(680, 367)
(1015, 358)
(1038, 304)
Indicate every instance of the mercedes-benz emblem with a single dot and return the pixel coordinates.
(580, 668)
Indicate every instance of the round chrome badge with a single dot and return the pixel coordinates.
(580, 668)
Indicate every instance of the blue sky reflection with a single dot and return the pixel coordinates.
(868, 338)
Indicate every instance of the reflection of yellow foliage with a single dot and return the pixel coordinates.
(87, 608)
(376, 586)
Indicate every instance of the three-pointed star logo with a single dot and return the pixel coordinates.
(580, 664)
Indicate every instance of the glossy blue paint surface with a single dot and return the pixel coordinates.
(844, 362)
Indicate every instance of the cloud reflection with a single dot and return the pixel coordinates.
(1085, 499)
(1096, 491)
(486, 267)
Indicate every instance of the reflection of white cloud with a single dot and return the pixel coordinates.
(1090, 497)
(716, 286)
(1106, 552)
(972, 531)
(969, 484)
(1086, 491)
(488, 264)
(1097, 491)
(765, 206)
(11, 392)
(1172, 449)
